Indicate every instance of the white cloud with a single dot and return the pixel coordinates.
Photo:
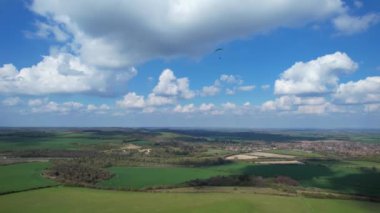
(185, 108)
(317, 76)
(230, 91)
(301, 105)
(265, 86)
(168, 91)
(372, 107)
(118, 33)
(230, 79)
(232, 82)
(269, 106)
(246, 88)
(155, 100)
(11, 101)
(283, 103)
(312, 109)
(229, 106)
(62, 73)
(210, 90)
(50, 30)
(91, 107)
(206, 107)
(54, 107)
(35, 102)
(73, 105)
(131, 101)
(348, 25)
(211, 109)
(364, 91)
(101, 109)
(169, 85)
(312, 88)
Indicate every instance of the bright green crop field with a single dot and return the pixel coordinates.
(66, 199)
(19, 177)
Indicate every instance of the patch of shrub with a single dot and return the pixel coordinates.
(233, 180)
(284, 180)
(77, 173)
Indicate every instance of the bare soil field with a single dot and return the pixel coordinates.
(241, 157)
(257, 155)
(279, 162)
(270, 155)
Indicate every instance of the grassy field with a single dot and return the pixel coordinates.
(347, 177)
(59, 140)
(19, 177)
(142, 177)
(64, 199)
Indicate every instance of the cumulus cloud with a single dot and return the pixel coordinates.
(49, 30)
(169, 85)
(230, 79)
(118, 33)
(46, 106)
(313, 88)
(131, 100)
(156, 100)
(101, 109)
(229, 106)
(54, 107)
(35, 102)
(210, 90)
(231, 83)
(168, 91)
(246, 88)
(317, 76)
(212, 109)
(302, 105)
(61, 73)
(206, 107)
(11, 101)
(365, 91)
(348, 25)
(185, 108)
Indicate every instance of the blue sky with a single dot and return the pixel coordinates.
(294, 64)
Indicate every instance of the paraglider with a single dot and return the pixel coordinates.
(218, 50)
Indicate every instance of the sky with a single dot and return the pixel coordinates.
(199, 63)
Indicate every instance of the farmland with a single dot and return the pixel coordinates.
(142, 177)
(65, 199)
(172, 166)
(19, 177)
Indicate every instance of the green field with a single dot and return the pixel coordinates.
(19, 177)
(58, 140)
(65, 199)
(347, 177)
(142, 177)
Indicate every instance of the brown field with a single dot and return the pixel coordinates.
(280, 162)
(257, 155)
(241, 157)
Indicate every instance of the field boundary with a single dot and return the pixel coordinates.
(30, 189)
